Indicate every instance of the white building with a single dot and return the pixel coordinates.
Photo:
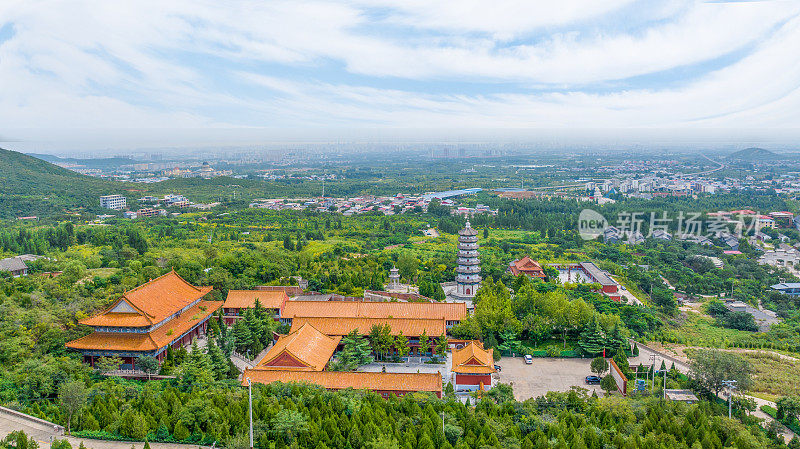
(116, 202)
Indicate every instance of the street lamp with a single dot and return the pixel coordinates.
(250, 398)
(731, 385)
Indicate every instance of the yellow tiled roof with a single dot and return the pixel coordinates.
(370, 309)
(343, 326)
(142, 342)
(337, 380)
(151, 302)
(246, 299)
(473, 359)
(305, 344)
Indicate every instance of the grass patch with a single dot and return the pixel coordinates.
(699, 330)
(773, 376)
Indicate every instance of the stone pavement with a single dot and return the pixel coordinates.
(545, 374)
(45, 433)
(414, 365)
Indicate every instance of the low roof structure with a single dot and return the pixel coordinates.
(473, 359)
(369, 309)
(150, 303)
(13, 264)
(335, 380)
(681, 396)
(598, 275)
(246, 299)
(343, 326)
(304, 349)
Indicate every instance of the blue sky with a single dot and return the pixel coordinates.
(318, 65)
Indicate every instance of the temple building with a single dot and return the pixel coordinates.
(450, 313)
(468, 272)
(385, 384)
(240, 300)
(303, 355)
(164, 312)
(526, 266)
(473, 367)
(304, 349)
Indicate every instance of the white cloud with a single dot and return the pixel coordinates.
(187, 64)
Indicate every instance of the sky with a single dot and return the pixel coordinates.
(99, 71)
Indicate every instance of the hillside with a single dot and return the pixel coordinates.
(753, 154)
(32, 186)
(102, 163)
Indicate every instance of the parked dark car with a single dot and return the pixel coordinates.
(498, 368)
(593, 380)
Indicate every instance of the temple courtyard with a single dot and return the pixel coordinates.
(545, 374)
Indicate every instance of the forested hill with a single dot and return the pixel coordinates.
(754, 154)
(31, 186)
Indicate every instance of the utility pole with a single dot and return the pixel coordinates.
(250, 397)
(731, 385)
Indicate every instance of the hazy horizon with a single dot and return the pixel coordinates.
(95, 143)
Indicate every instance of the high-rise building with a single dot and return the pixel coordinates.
(468, 273)
(116, 202)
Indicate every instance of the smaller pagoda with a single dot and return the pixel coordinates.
(394, 278)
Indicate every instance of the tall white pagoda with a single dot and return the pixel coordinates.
(468, 273)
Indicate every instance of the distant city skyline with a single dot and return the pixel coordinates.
(98, 76)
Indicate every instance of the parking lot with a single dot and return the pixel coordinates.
(545, 374)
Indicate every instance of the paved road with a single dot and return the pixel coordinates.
(44, 435)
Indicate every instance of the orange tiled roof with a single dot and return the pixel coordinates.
(367, 309)
(150, 303)
(343, 326)
(473, 359)
(108, 341)
(246, 299)
(528, 266)
(305, 344)
(336, 380)
(151, 341)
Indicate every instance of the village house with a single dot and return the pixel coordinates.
(15, 266)
(165, 312)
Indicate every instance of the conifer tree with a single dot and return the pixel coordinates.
(592, 341)
(241, 336)
(401, 345)
(424, 342)
(621, 359)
